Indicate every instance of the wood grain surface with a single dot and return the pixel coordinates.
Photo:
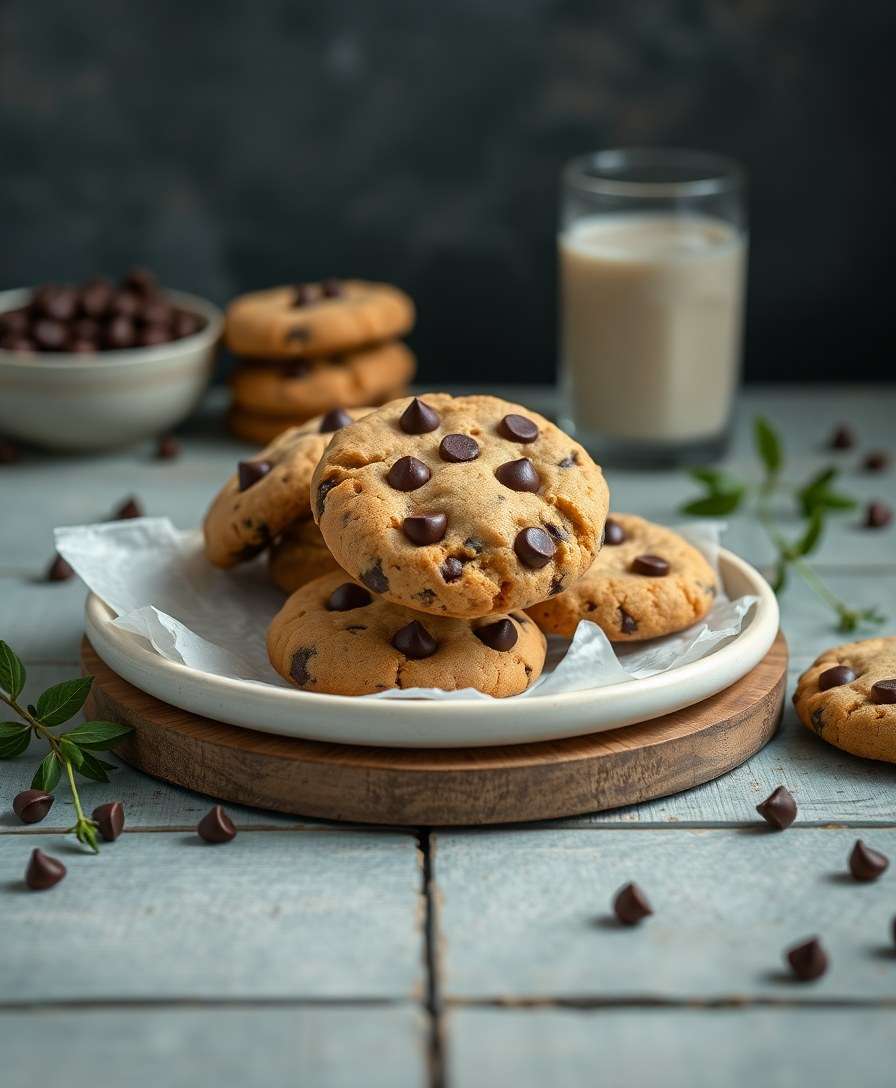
(446, 786)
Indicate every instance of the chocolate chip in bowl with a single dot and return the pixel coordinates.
(102, 364)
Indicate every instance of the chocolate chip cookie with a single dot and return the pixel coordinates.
(647, 581)
(302, 388)
(460, 506)
(270, 491)
(848, 697)
(299, 556)
(312, 319)
(335, 636)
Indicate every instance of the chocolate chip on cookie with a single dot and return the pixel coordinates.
(884, 691)
(334, 420)
(250, 472)
(514, 530)
(318, 630)
(834, 677)
(648, 582)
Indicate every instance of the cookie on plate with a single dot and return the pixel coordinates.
(334, 636)
(647, 581)
(270, 491)
(302, 388)
(460, 506)
(848, 697)
(299, 556)
(312, 319)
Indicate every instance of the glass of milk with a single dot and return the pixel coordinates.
(653, 261)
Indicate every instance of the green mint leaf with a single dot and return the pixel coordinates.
(715, 480)
(12, 729)
(62, 701)
(14, 744)
(12, 671)
(714, 505)
(811, 538)
(71, 752)
(98, 736)
(48, 773)
(95, 769)
(768, 446)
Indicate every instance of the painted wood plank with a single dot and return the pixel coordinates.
(526, 913)
(618, 1048)
(296, 914)
(327, 1047)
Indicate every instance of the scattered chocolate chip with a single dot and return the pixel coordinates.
(31, 806)
(375, 579)
(334, 420)
(778, 809)
(407, 474)
(418, 418)
(322, 491)
(130, 508)
(298, 669)
(627, 623)
(651, 566)
(808, 961)
(49, 335)
(842, 438)
(451, 569)
(110, 819)
(167, 448)
(834, 677)
(613, 533)
(500, 635)
(425, 528)
(877, 515)
(518, 428)
(331, 288)
(458, 448)
(534, 547)
(414, 641)
(250, 472)
(346, 597)
(9, 452)
(216, 826)
(568, 461)
(630, 905)
(884, 691)
(518, 475)
(43, 871)
(304, 296)
(59, 570)
(876, 461)
(867, 864)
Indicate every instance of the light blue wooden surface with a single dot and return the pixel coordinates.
(317, 954)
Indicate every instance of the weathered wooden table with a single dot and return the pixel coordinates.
(310, 954)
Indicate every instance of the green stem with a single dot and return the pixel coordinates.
(42, 731)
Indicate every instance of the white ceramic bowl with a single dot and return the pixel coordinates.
(453, 722)
(80, 402)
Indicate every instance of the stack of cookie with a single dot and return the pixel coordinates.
(305, 350)
(433, 542)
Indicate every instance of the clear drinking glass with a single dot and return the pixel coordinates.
(653, 262)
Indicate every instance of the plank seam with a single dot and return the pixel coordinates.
(433, 999)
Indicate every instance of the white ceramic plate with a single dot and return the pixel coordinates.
(448, 723)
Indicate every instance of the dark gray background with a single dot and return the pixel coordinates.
(233, 145)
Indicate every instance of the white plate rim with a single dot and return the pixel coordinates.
(444, 723)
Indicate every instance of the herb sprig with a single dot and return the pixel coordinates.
(815, 500)
(71, 752)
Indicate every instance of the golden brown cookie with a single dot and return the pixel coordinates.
(848, 697)
(259, 428)
(313, 319)
(306, 387)
(334, 636)
(299, 556)
(647, 581)
(460, 506)
(269, 492)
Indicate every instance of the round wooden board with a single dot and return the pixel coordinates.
(432, 787)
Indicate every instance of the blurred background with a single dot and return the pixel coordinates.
(242, 143)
